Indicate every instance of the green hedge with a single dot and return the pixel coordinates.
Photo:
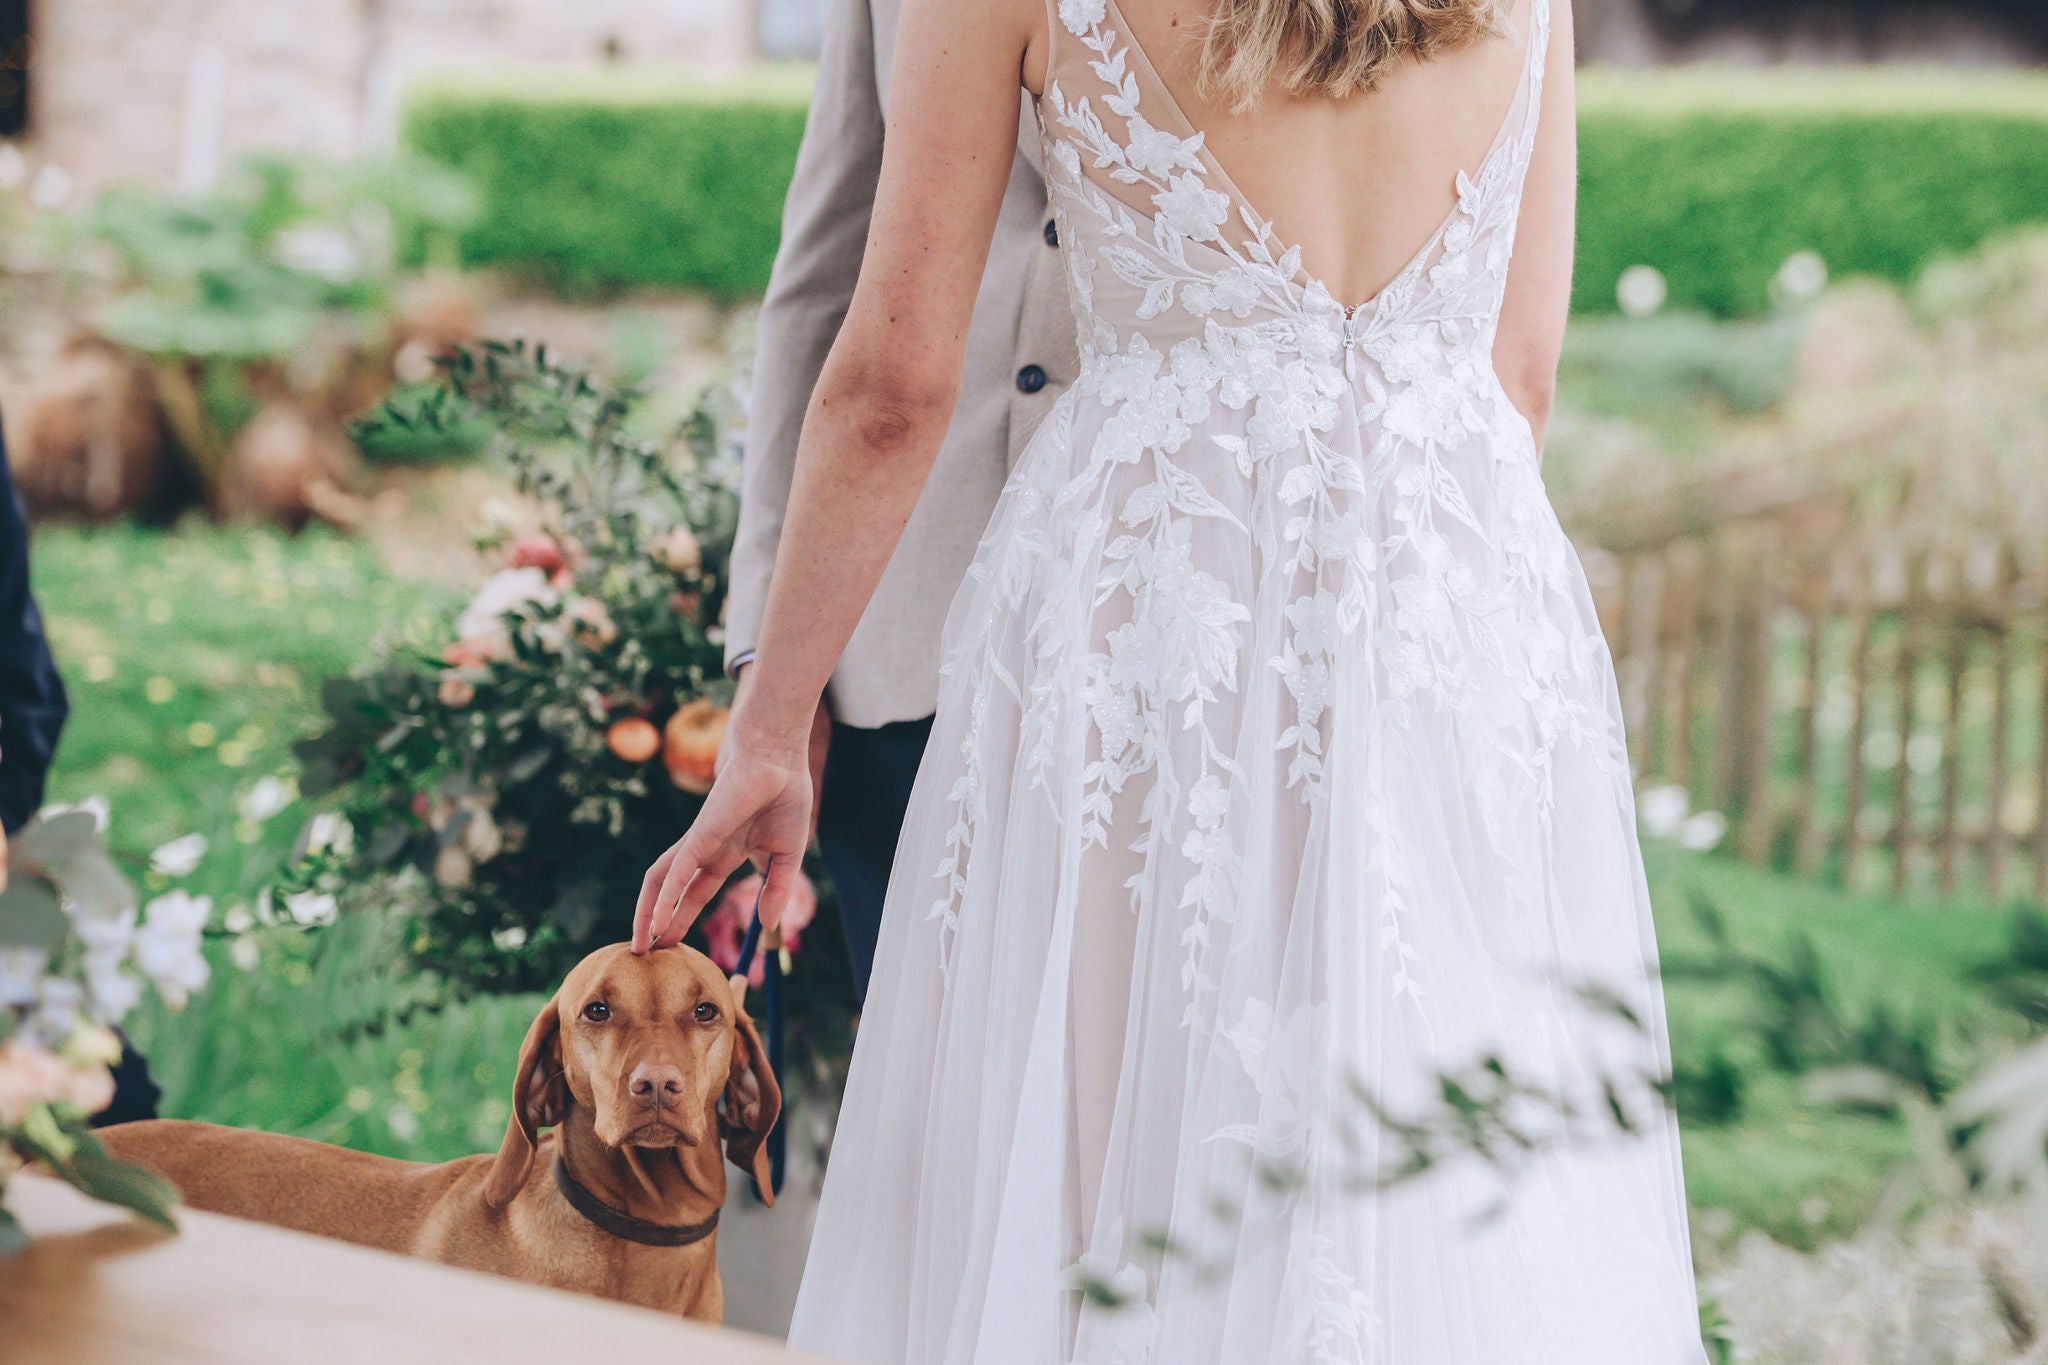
(1713, 177)
(646, 181)
(1716, 178)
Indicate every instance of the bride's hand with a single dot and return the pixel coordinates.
(759, 811)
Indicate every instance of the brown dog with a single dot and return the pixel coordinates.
(643, 1066)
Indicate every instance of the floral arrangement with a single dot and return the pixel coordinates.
(506, 784)
(76, 953)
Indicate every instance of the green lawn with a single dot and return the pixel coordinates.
(193, 657)
(1799, 1169)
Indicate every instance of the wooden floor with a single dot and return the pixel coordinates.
(99, 1288)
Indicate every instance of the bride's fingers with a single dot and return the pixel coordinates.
(698, 894)
(650, 888)
(783, 871)
(692, 852)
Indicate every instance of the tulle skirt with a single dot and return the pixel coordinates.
(1268, 972)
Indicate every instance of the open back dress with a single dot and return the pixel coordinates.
(1276, 830)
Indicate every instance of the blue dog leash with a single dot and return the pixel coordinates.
(772, 985)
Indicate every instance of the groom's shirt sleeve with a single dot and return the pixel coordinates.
(824, 235)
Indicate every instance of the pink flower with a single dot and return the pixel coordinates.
(537, 552)
(594, 626)
(476, 651)
(678, 551)
(725, 928)
(457, 691)
(31, 1076)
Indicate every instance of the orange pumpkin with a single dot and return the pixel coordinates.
(690, 746)
(633, 740)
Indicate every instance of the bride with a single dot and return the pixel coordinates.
(1278, 773)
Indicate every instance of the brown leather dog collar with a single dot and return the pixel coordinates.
(625, 1225)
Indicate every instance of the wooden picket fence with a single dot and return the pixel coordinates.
(1862, 703)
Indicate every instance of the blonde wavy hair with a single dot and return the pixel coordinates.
(1330, 47)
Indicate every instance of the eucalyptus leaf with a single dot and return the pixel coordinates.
(575, 910)
(98, 1173)
(389, 844)
(55, 840)
(14, 1238)
(32, 914)
(94, 884)
(529, 764)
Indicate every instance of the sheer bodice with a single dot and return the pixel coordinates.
(1278, 774)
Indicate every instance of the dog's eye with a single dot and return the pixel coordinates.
(706, 1012)
(597, 1011)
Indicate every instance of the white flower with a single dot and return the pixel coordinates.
(311, 907)
(111, 992)
(327, 252)
(1192, 209)
(59, 1002)
(453, 868)
(1081, 15)
(105, 935)
(1803, 276)
(1661, 810)
(481, 838)
(167, 948)
(51, 188)
(1209, 801)
(21, 969)
(1641, 290)
(95, 806)
(245, 953)
(503, 593)
(269, 796)
(1232, 290)
(1703, 832)
(179, 857)
(1158, 153)
(329, 832)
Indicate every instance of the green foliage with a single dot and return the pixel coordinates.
(1715, 179)
(593, 189)
(1798, 1162)
(257, 269)
(95, 1172)
(486, 771)
(1676, 361)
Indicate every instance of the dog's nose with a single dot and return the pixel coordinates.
(656, 1086)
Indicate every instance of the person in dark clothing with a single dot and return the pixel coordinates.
(33, 708)
(32, 701)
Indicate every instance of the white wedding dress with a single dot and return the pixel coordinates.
(1278, 768)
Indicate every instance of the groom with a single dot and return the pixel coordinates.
(1020, 355)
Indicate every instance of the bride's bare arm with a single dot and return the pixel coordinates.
(1539, 291)
(873, 428)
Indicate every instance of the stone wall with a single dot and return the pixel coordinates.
(1758, 32)
(170, 90)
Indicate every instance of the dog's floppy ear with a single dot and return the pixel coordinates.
(753, 1102)
(540, 1099)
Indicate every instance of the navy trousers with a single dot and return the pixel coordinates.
(868, 776)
